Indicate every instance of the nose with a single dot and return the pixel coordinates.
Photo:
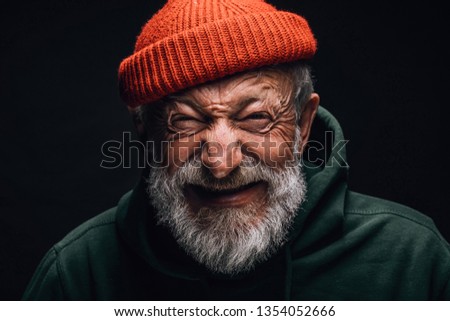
(221, 151)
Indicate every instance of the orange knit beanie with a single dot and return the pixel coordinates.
(189, 42)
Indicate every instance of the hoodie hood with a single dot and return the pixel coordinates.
(326, 175)
(314, 225)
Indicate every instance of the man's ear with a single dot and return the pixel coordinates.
(307, 117)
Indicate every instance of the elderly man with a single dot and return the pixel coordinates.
(228, 208)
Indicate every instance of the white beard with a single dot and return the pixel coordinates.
(228, 240)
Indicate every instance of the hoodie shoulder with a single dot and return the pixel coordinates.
(85, 231)
(369, 208)
(51, 279)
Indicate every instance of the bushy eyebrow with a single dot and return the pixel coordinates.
(244, 103)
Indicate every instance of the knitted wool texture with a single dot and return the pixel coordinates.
(190, 42)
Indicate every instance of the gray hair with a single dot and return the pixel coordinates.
(302, 85)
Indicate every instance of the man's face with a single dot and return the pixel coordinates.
(251, 114)
(232, 180)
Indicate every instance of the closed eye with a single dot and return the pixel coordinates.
(255, 122)
(257, 116)
(186, 123)
(183, 118)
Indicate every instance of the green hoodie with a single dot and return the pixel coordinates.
(343, 246)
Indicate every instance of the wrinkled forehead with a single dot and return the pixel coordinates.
(262, 84)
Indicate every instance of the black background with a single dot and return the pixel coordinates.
(381, 69)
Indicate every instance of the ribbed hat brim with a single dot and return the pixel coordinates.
(212, 51)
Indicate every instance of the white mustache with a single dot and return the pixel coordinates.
(194, 173)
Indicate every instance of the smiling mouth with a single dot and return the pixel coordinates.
(200, 196)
